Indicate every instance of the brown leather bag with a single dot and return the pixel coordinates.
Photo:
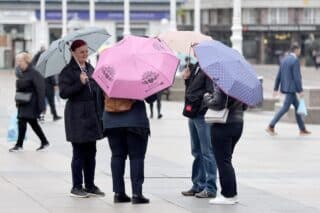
(117, 104)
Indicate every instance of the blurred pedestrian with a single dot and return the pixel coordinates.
(290, 83)
(51, 86)
(224, 137)
(204, 164)
(29, 100)
(126, 125)
(82, 122)
(159, 94)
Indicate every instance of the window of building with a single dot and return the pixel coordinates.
(205, 17)
(278, 16)
(308, 16)
(224, 16)
(250, 16)
(317, 16)
(283, 16)
(213, 17)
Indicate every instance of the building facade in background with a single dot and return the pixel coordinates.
(20, 22)
(269, 26)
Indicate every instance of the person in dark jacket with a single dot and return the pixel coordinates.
(51, 84)
(29, 82)
(128, 134)
(82, 123)
(224, 137)
(204, 164)
(159, 94)
(290, 82)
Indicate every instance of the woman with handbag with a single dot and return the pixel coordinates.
(30, 100)
(225, 133)
(126, 126)
(82, 120)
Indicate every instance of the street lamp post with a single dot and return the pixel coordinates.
(64, 17)
(126, 27)
(42, 12)
(197, 24)
(236, 28)
(92, 12)
(173, 15)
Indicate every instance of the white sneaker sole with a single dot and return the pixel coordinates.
(79, 196)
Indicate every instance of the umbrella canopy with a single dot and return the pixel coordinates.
(180, 41)
(135, 68)
(230, 71)
(53, 60)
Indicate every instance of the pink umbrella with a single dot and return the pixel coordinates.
(135, 68)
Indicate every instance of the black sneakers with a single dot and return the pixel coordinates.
(78, 192)
(56, 118)
(139, 199)
(16, 149)
(94, 191)
(121, 198)
(43, 147)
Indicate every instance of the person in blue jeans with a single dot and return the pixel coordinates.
(204, 164)
(290, 83)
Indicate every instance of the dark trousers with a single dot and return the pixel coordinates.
(224, 138)
(51, 102)
(83, 161)
(22, 127)
(123, 142)
(158, 104)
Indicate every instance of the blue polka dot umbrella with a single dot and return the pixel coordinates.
(230, 71)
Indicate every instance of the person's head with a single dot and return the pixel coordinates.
(23, 60)
(296, 49)
(80, 50)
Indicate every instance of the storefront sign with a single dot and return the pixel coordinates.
(279, 28)
(105, 15)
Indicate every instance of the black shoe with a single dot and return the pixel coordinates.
(94, 191)
(16, 149)
(43, 147)
(139, 199)
(160, 116)
(78, 192)
(56, 118)
(190, 192)
(121, 198)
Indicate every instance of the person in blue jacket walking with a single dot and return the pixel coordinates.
(290, 83)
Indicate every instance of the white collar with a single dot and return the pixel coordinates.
(294, 55)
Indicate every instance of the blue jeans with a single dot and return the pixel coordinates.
(204, 168)
(291, 98)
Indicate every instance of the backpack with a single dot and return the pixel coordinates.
(117, 104)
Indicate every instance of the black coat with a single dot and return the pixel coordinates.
(82, 122)
(196, 86)
(31, 81)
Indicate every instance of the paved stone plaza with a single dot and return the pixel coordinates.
(275, 174)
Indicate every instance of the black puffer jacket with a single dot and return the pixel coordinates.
(31, 81)
(82, 121)
(217, 100)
